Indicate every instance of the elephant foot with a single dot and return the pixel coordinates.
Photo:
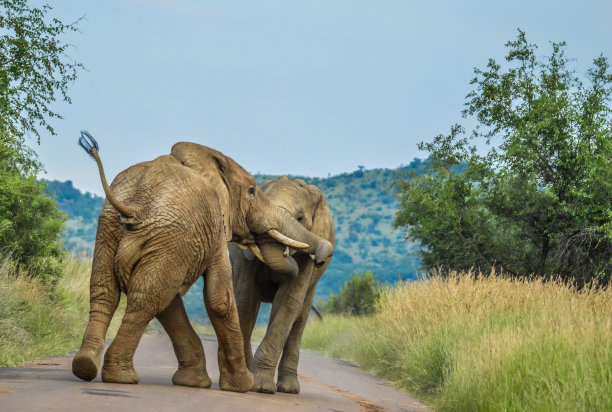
(288, 384)
(86, 363)
(119, 374)
(237, 382)
(194, 376)
(264, 383)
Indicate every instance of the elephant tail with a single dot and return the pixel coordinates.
(89, 144)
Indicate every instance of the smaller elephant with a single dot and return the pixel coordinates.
(288, 279)
(164, 224)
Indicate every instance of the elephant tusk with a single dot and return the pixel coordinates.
(286, 252)
(241, 246)
(286, 240)
(256, 251)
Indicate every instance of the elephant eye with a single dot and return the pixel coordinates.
(251, 190)
(300, 218)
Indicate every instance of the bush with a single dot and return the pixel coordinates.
(358, 297)
(30, 222)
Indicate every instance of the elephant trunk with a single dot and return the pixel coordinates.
(276, 259)
(282, 221)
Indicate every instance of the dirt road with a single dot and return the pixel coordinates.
(326, 385)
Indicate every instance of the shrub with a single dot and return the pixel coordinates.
(30, 222)
(358, 297)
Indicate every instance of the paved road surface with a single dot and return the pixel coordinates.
(326, 385)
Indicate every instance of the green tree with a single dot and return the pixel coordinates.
(30, 222)
(35, 70)
(539, 201)
(358, 297)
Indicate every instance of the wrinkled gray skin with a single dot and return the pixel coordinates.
(256, 282)
(164, 224)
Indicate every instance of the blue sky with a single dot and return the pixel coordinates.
(302, 87)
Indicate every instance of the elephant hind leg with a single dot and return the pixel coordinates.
(147, 296)
(187, 346)
(104, 298)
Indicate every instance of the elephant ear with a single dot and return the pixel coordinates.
(322, 222)
(214, 167)
(223, 188)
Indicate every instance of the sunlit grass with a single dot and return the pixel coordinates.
(483, 343)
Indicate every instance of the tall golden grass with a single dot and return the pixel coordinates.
(473, 342)
(39, 319)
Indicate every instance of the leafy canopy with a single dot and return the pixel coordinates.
(538, 199)
(34, 67)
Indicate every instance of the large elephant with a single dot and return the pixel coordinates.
(165, 223)
(288, 280)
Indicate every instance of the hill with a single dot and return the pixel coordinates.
(362, 205)
(83, 210)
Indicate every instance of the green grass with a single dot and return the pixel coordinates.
(470, 343)
(39, 320)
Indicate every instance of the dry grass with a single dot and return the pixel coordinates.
(485, 343)
(39, 320)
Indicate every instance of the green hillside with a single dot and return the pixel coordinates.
(362, 206)
(83, 210)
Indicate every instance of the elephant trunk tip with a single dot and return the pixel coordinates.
(324, 250)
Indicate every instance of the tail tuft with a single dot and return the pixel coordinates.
(88, 143)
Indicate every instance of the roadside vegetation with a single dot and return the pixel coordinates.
(39, 319)
(469, 341)
(42, 291)
(525, 198)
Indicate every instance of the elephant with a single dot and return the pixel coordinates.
(165, 223)
(287, 280)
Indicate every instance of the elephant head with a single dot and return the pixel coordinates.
(250, 219)
(308, 206)
(291, 298)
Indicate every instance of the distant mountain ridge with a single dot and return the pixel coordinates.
(363, 209)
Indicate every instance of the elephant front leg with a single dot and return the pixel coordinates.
(248, 301)
(221, 308)
(287, 369)
(286, 307)
(187, 346)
